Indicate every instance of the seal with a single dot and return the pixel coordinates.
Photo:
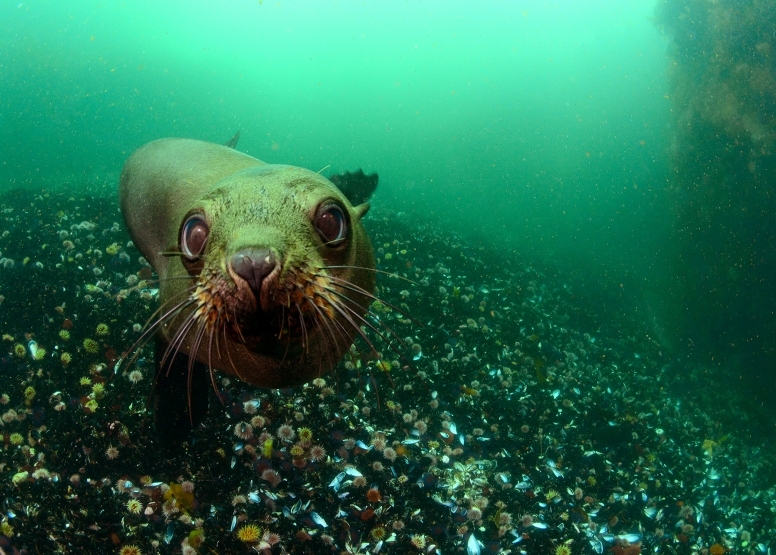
(265, 271)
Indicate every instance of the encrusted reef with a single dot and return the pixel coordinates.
(501, 419)
(723, 97)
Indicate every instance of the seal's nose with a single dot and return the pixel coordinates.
(253, 265)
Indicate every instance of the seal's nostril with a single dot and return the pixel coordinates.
(253, 265)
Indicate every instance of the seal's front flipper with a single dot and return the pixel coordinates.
(231, 143)
(174, 417)
(356, 186)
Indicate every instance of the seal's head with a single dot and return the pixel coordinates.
(271, 274)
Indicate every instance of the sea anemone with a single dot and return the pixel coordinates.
(305, 435)
(243, 430)
(135, 376)
(474, 514)
(390, 454)
(6, 529)
(91, 346)
(10, 416)
(378, 533)
(170, 507)
(19, 350)
(418, 541)
(98, 389)
(272, 477)
(249, 533)
(286, 432)
(373, 495)
(317, 453)
(112, 453)
(41, 474)
(134, 506)
(130, 549)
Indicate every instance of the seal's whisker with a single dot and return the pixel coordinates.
(179, 336)
(375, 270)
(374, 329)
(168, 278)
(316, 247)
(156, 281)
(322, 320)
(345, 284)
(161, 308)
(349, 339)
(305, 343)
(370, 313)
(288, 347)
(168, 254)
(147, 335)
(346, 315)
(192, 361)
(211, 371)
(239, 329)
(377, 389)
(343, 333)
(214, 328)
(177, 341)
(231, 362)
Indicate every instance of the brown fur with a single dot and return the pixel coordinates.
(249, 204)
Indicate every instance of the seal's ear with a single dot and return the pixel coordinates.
(361, 210)
(231, 143)
(356, 186)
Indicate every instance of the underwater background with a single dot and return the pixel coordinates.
(581, 193)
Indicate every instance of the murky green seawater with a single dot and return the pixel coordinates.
(579, 192)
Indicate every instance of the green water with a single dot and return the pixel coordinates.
(594, 177)
(542, 124)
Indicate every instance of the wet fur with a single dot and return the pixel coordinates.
(310, 308)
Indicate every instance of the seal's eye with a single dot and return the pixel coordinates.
(194, 236)
(332, 225)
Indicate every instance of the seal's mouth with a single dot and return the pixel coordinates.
(275, 310)
(288, 313)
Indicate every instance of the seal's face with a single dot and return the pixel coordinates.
(273, 276)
